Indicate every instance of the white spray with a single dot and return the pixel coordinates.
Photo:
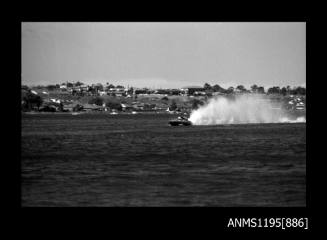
(242, 109)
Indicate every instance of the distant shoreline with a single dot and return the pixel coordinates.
(98, 112)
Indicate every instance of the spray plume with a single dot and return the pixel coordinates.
(239, 110)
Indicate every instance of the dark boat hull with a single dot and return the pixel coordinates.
(180, 123)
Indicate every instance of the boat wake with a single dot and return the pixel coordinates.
(241, 110)
(297, 120)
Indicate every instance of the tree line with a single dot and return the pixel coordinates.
(97, 86)
(257, 89)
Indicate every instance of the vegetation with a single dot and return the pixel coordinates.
(79, 84)
(217, 88)
(48, 109)
(257, 89)
(51, 87)
(31, 101)
(241, 88)
(130, 91)
(110, 86)
(230, 90)
(113, 104)
(97, 101)
(287, 90)
(196, 103)
(77, 108)
(214, 88)
(24, 87)
(173, 106)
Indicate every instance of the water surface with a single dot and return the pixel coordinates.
(139, 160)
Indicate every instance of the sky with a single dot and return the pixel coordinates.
(164, 54)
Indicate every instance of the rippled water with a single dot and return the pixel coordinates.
(138, 160)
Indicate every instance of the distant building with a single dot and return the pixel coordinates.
(54, 100)
(126, 107)
(84, 87)
(63, 87)
(69, 107)
(300, 106)
(116, 92)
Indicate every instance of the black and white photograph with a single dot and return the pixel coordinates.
(163, 114)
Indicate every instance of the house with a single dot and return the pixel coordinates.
(199, 93)
(300, 106)
(126, 107)
(117, 91)
(137, 106)
(84, 88)
(55, 100)
(69, 107)
(63, 87)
